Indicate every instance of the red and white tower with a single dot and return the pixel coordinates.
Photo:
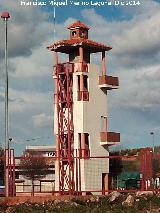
(80, 113)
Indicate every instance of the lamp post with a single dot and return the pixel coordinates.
(5, 16)
(152, 133)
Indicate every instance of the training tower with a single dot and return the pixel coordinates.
(80, 114)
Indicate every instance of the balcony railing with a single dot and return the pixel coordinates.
(108, 82)
(63, 68)
(109, 138)
(83, 96)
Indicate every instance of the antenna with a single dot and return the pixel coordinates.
(54, 24)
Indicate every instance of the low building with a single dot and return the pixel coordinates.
(44, 185)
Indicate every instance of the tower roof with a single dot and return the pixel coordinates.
(72, 44)
(66, 46)
(78, 24)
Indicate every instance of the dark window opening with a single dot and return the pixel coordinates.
(74, 33)
(82, 88)
(78, 76)
(83, 139)
(83, 34)
(86, 138)
(85, 82)
(79, 140)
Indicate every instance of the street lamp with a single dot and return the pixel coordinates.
(5, 16)
(152, 133)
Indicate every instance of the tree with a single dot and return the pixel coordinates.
(33, 167)
(156, 167)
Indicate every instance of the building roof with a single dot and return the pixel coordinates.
(66, 46)
(42, 148)
(78, 24)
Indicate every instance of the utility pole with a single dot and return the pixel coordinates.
(5, 16)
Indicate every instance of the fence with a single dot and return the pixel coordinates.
(34, 175)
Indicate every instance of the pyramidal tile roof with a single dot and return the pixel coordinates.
(78, 24)
(64, 44)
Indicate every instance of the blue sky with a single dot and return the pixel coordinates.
(132, 31)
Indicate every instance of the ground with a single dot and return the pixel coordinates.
(113, 203)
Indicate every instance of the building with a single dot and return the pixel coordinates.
(43, 185)
(80, 113)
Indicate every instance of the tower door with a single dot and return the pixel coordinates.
(104, 183)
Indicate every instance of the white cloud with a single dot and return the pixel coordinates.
(27, 28)
(42, 120)
(23, 101)
(139, 89)
(133, 40)
(135, 55)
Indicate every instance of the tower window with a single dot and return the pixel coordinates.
(74, 33)
(82, 88)
(86, 139)
(85, 82)
(79, 140)
(83, 34)
(83, 144)
(78, 82)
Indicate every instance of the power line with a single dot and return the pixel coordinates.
(22, 141)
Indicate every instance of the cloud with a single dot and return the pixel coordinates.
(27, 29)
(42, 120)
(135, 55)
(139, 89)
(142, 39)
(24, 101)
(134, 41)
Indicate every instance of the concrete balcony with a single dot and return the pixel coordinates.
(108, 82)
(109, 138)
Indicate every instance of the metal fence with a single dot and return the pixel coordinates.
(35, 175)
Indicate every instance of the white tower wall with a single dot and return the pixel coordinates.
(87, 119)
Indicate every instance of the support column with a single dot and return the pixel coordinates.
(55, 95)
(81, 88)
(103, 63)
(104, 183)
(83, 153)
(55, 58)
(105, 124)
(81, 83)
(83, 144)
(81, 58)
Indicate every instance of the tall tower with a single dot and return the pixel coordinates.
(80, 113)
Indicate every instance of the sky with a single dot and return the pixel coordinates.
(134, 34)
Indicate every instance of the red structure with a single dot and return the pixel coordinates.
(70, 140)
(64, 100)
(146, 155)
(9, 172)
